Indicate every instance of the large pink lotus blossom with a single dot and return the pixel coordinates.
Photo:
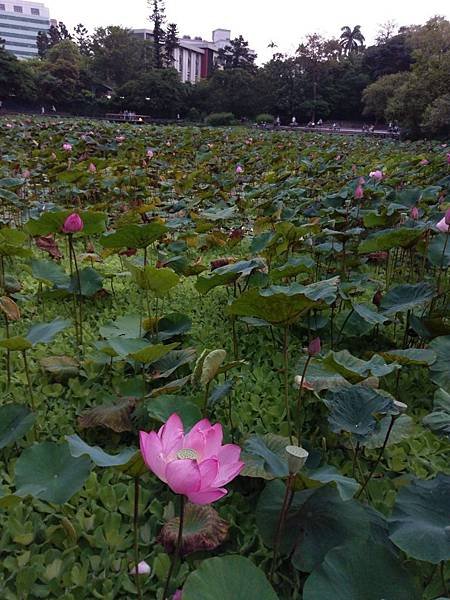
(73, 224)
(377, 175)
(195, 464)
(67, 147)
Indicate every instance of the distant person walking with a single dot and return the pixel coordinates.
(53, 108)
(42, 110)
(293, 122)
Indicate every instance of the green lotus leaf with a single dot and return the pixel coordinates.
(98, 456)
(369, 315)
(53, 221)
(43, 333)
(420, 519)
(406, 297)
(411, 356)
(49, 272)
(228, 578)
(16, 343)
(265, 456)
(91, 282)
(49, 472)
(60, 368)
(357, 570)
(439, 251)
(355, 369)
(402, 237)
(440, 369)
(353, 409)
(15, 421)
(157, 281)
(128, 326)
(439, 420)
(227, 274)
(152, 353)
(134, 236)
(403, 429)
(161, 407)
(318, 520)
(293, 266)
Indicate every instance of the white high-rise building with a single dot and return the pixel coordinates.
(20, 23)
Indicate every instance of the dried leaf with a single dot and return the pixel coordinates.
(111, 416)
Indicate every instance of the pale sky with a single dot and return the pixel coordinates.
(284, 22)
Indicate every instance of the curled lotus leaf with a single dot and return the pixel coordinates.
(203, 530)
(9, 308)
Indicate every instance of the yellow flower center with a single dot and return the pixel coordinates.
(187, 453)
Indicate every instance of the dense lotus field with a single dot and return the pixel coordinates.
(225, 358)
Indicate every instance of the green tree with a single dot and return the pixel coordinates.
(16, 77)
(237, 55)
(376, 96)
(82, 39)
(158, 18)
(118, 56)
(351, 40)
(170, 43)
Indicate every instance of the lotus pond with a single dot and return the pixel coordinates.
(271, 311)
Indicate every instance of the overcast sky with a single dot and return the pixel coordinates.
(284, 22)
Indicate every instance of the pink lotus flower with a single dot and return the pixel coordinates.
(314, 346)
(178, 595)
(361, 181)
(359, 192)
(195, 464)
(73, 224)
(424, 162)
(150, 153)
(377, 175)
(9, 125)
(67, 147)
(447, 217)
(120, 139)
(414, 213)
(92, 168)
(26, 174)
(239, 169)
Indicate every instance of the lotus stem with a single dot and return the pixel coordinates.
(8, 355)
(444, 582)
(27, 373)
(299, 400)
(286, 380)
(136, 536)
(177, 550)
(205, 400)
(380, 454)
(280, 524)
(344, 324)
(80, 296)
(235, 340)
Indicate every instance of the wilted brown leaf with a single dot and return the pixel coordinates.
(9, 308)
(111, 416)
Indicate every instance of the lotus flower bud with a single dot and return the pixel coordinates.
(414, 213)
(73, 224)
(377, 298)
(67, 147)
(424, 162)
(296, 456)
(178, 595)
(359, 192)
(150, 153)
(400, 406)
(92, 168)
(143, 568)
(314, 346)
(239, 169)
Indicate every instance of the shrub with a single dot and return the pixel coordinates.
(264, 118)
(216, 119)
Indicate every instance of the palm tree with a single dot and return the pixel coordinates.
(351, 39)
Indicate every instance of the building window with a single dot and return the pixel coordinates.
(2, 7)
(18, 9)
(35, 11)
